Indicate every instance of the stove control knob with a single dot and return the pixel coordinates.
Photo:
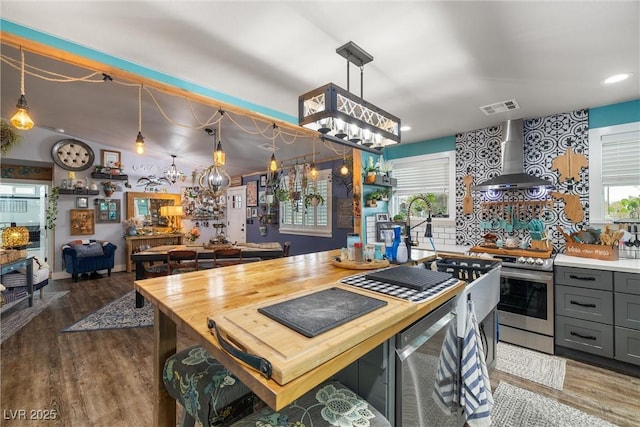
(530, 260)
(539, 261)
(522, 260)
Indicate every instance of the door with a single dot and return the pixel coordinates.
(237, 214)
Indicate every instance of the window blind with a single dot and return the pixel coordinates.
(621, 159)
(422, 176)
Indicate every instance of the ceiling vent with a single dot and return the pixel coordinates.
(500, 107)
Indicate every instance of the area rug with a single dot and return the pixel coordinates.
(119, 314)
(19, 316)
(531, 365)
(518, 407)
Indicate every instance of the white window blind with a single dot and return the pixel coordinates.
(621, 158)
(315, 221)
(422, 176)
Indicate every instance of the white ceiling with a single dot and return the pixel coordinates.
(435, 63)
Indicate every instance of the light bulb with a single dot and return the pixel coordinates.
(21, 119)
(219, 156)
(344, 170)
(273, 163)
(313, 171)
(140, 143)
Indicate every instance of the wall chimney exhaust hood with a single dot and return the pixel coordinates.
(513, 175)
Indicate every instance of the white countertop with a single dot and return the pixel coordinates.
(622, 265)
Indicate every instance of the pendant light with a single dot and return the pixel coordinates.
(21, 119)
(173, 173)
(344, 169)
(219, 156)
(313, 171)
(140, 138)
(273, 163)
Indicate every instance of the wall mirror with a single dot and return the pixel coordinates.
(145, 207)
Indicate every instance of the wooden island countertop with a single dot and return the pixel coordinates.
(184, 302)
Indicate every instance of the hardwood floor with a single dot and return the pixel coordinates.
(103, 378)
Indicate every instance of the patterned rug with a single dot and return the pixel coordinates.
(531, 365)
(119, 314)
(518, 407)
(19, 316)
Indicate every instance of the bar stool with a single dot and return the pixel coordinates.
(329, 404)
(207, 391)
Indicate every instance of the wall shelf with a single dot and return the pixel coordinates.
(109, 176)
(81, 192)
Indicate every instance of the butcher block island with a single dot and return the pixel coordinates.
(231, 296)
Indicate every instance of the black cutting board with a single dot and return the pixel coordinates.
(321, 311)
(409, 277)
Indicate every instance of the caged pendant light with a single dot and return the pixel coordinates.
(21, 119)
(174, 174)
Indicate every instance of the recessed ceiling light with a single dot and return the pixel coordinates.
(405, 128)
(616, 78)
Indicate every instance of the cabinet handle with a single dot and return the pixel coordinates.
(589, 278)
(586, 337)
(581, 304)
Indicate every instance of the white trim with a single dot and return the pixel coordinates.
(596, 191)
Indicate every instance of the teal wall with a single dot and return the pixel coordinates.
(614, 114)
(438, 145)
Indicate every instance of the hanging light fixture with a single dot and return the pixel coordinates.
(173, 173)
(313, 171)
(344, 169)
(21, 119)
(219, 157)
(273, 163)
(214, 180)
(345, 118)
(140, 138)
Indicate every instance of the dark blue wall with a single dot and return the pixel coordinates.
(303, 244)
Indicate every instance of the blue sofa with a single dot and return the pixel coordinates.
(88, 256)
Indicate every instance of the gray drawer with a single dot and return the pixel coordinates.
(627, 311)
(584, 278)
(582, 335)
(628, 283)
(627, 345)
(587, 304)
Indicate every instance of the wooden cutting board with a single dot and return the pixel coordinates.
(291, 354)
(467, 200)
(569, 165)
(572, 207)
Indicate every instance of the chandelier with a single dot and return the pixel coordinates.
(345, 118)
(173, 173)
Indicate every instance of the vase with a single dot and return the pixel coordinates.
(132, 231)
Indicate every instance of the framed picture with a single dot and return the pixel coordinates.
(110, 158)
(254, 212)
(382, 217)
(263, 180)
(81, 221)
(82, 202)
(252, 193)
(262, 197)
(248, 212)
(107, 211)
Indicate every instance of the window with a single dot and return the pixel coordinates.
(295, 218)
(428, 174)
(614, 172)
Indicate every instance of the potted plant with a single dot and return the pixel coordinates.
(9, 137)
(313, 198)
(108, 188)
(372, 198)
(282, 194)
(370, 172)
(384, 194)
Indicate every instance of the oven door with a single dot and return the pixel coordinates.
(526, 300)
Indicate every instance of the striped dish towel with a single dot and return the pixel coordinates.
(475, 393)
(445, 389)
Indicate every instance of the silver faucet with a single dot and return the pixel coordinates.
(427, 232)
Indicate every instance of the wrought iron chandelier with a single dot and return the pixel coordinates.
(174, 174)
(345, 118)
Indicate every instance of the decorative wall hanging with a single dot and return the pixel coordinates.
(107, 211)
(197, 204)
(81, 222)
(252, 193)
(152, 182)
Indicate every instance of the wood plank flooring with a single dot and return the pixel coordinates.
(103, 378)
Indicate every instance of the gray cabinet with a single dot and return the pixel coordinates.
(598, 312)
(627, 317)
(584, 310)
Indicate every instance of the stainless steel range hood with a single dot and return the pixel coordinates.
(512, 153)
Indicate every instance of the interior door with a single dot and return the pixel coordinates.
(237, 214)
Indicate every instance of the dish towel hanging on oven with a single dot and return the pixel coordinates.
(475, 391)
(446, 390)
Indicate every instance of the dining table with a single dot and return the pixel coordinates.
(250, 252)
(189, 303)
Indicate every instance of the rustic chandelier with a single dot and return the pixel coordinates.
(345, 118)
(174, 174)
